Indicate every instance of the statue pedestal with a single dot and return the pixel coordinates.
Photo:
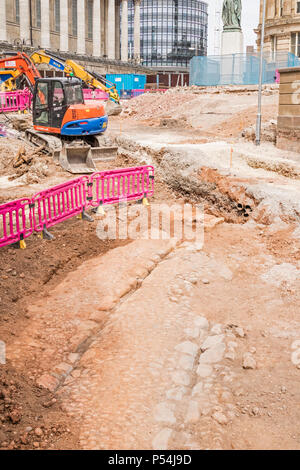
(232, 42)
(231, 63)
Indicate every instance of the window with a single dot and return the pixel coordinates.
(17, 5)
(74, 94)
(58, 94)
(298, 7)
(295, 44)
(38, 13)
(281, 8)
(273, 47)
(41, 111)
(56, 16)
(74, 17)
(90, 18)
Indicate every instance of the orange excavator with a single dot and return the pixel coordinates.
(15, 67)
(69, 129)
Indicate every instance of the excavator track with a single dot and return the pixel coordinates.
(53, 145)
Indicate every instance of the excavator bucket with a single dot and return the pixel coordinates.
(102, 154)
(77, 159)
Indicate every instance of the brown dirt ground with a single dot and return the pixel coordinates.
(30, 274)
(24, 276)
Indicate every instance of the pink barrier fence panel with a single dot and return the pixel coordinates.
(59, 203)
(113, 186)
(135, 93)
(15, 221)
(47, 208)
(90, 94)
(25, 98)
(13, 101)
(156, 90)
(9, 101)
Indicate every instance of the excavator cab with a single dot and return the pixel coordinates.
(58, 108)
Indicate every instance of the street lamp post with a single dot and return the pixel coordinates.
(262, 40)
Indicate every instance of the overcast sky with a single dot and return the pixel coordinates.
(250, 20)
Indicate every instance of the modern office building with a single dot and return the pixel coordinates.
(282, 32)
(171, 32)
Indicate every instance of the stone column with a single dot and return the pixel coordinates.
(97, 28)
(137, 30)
(124, 38)
(64, 26)
(111, 30)
(118, 29)
(3, 32)
(45, 26)
(24, 21)
(81, 26)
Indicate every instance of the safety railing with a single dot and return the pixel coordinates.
(113, 186)
(18, 219)
(59, 203)
(16, 222)
(14, 101)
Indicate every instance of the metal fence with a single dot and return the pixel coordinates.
(238, 69)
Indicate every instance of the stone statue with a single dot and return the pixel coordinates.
(231, 15)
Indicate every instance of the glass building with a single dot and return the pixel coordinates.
(172, 32)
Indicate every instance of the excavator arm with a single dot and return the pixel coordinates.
(69, 67)
(14, 66)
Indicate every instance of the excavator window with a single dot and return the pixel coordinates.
(42, 95)
(58, 95)
(41, 112)
(73, 93)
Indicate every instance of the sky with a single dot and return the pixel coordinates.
(250, 20)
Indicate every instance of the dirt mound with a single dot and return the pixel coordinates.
(31, 417)
(268, 132)
(149, 106)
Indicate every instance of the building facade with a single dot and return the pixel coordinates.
(136, 33)
(85, 27)
(171, 32)
(282, 33)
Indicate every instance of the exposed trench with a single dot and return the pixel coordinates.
(221, 195)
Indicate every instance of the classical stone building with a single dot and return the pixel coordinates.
(282, 32)
(87, 28)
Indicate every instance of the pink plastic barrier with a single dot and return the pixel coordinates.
(13, 101)
(156, 90)
(135, 93)
(277, 75)
(15, 221)
(19, 218)
(94, 94)
(59, 203)
(113, 186)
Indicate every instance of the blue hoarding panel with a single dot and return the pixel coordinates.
(238, 69)
(127, 82)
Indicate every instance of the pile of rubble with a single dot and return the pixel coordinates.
(149, 106)
(28, 166)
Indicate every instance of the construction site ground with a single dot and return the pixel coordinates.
(160, 344)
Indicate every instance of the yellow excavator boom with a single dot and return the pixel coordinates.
(69, 67)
